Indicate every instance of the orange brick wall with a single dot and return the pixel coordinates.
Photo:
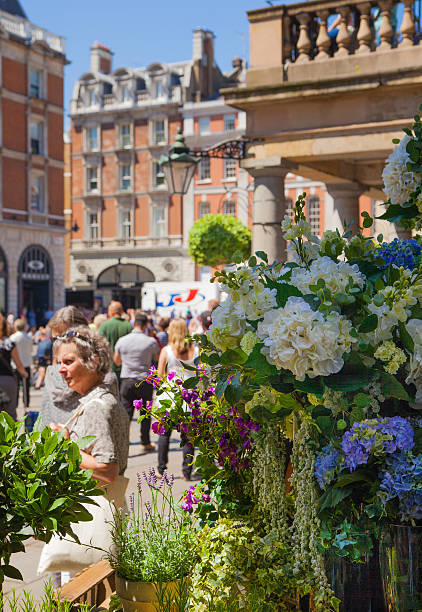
(55, 136)
(55, 89)
(77, 178)
(55, 191)
(76, 136)
(14, 184)
(78, 218)
(14, 125)
(14, 76)
(108, 229)
(107, 137)
(109, 175)
(142, 217)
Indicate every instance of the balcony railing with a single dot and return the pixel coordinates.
(363, 27)
(299, 37)
(24, 29)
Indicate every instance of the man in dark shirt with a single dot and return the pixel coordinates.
(115, 328)
(135, 352)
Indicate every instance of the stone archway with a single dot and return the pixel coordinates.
(35, 284)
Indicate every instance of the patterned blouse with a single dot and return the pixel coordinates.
(101, 415)
(6, 348)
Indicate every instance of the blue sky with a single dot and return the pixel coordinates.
(140, 32)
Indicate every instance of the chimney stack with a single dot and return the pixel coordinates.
(203, 59)
(101, 58)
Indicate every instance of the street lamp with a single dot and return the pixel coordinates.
(179, 166)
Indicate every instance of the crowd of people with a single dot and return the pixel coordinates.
(91, 373)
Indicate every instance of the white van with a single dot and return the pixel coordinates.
(166, 298)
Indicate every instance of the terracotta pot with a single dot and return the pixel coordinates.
(141, 596)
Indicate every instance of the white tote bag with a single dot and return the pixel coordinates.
(66, 555)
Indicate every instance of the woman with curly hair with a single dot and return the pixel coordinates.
(84, 359)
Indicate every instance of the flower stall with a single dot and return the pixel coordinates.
(305, 408)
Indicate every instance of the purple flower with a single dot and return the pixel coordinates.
(326, 465)
(402, 479)
(381, 436)
(206, 498)
(138, 404)
(159, 429)
(171, 375)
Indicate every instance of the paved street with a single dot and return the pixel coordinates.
(27, 562)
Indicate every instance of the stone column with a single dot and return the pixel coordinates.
(345, 206)
(269, 204)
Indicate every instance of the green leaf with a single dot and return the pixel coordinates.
(391, 387)
(362, 400)
(12, 572)
(220, 388)
(85, 441)
(357, 415)
(369, 324)
(190, 383)
(406, 338)
(57, 503)
(234, 390)
(257, 361)
(233, 357)
(348, 382)
(285, 291)
(341, 424)
(358, 476)
(332, 497)
(262, 255)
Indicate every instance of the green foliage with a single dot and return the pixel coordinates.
(239, 563)
(214, 240)
(51, 602)
(41, 488)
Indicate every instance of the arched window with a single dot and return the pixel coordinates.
(313, 214)
(124, 275)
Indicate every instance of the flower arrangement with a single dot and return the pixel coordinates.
(402, 178)
(327, 347)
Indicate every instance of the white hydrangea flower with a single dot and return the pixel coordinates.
(414, 329)
(227, 327)
(304, 342)
(335, 275)
(399, 183)
(256, 302)
(248, 342)
(387, 319)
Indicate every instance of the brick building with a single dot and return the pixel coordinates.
(31, 165)
(123, 120)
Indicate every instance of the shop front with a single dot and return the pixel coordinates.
(35, 289)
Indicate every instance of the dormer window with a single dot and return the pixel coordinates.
(125, 93)
(140, 84)
(91, 97)
(158, 89)
(107, 89)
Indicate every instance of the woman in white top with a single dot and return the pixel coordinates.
(173, 357)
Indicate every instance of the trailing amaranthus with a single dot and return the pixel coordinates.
(306, 524)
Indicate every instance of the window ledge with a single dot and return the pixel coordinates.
(231, 179)
(207, 181)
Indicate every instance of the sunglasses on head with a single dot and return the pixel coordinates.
(72, 334)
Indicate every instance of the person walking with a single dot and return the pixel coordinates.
(173, 357)
(43, 356)
(8, 384)
(135, 353)
(23, 342)
(115, 328)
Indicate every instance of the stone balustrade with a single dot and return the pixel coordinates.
(321, 30)
(354, 36)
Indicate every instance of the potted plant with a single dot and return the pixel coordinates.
(154, 548)
(42, 488)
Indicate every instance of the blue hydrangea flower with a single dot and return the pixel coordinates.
(326, 465)
(399, 253)
(402, 479)
(376, 436)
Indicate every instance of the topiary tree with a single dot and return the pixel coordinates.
(214, 240)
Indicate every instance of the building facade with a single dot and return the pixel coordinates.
(129, 229)
(31, 166)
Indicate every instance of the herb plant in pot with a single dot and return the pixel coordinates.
(154, 549)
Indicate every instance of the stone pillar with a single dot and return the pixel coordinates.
(268, 205)
(344, 208)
